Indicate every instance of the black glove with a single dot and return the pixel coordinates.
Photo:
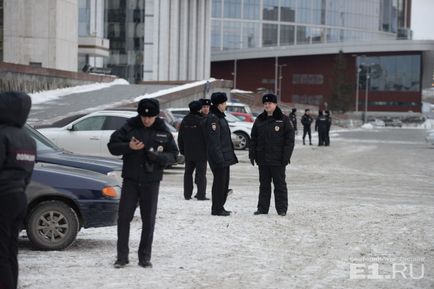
(252, 161)
(152, 156)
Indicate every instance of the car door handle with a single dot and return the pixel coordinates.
(94, 138)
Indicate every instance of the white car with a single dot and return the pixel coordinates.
(91, 133)
(240, 128)
(430, 137)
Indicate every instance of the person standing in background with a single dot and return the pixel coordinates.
(306, 121)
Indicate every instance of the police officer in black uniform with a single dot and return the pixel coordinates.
(220, 152)
(206, 104)
(147, 147)
(17, 158)
(192, 144)
(293, 119)
(271, 146)
(321, 125)
(306, 121)
(329, 124)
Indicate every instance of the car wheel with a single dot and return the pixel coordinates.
(244, 140)
(52, 225)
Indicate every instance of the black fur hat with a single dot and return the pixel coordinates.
(195, 106)
(205, 101)
(148, 107)
(218, 97)
(269, 98)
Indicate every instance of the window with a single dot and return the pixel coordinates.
(287, 10)
(91, 123)
(311, 79)
(232, 9)
(302, 35)
(251, 9)
(250, 35)
(287, 35)
(217, 8)
(114, 122)
(231, 35)
(269, 35)
(216, 35)
(270, 9)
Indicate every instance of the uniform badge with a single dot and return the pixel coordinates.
(160, 149)
(147, 110)
(276, 128)
(214, 126)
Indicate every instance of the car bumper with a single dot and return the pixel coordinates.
(99, 213)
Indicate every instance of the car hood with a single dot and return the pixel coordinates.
(247, 125)
(96, 164)
(59, 176)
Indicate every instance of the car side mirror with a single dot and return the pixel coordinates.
(70, 127)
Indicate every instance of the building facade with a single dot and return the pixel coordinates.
(40, 33)
(290, 47)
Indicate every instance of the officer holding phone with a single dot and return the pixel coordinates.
(147, 147)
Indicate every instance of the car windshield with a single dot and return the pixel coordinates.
(43, 144)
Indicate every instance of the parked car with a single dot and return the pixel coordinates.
(62, 200)
(393, 122)
(377, 123)
(48, 152)
(240, 128)
(247, 117)
(429, 138)
(90, 134)
(238, 107)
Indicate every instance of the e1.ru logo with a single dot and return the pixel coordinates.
(406, 271)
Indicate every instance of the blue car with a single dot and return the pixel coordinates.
(62, 200)
(69, 192)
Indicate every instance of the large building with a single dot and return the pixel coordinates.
(290, 47)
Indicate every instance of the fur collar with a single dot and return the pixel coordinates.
(214, 110)
(277, 114)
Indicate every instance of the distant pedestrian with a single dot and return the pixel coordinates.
(321, 126)
(206, 104)
(220, 152)
(306, 121)
(147, 147)
(329, 124)
(192, 144)
(271, 146)
(17, 158)
(293, 119)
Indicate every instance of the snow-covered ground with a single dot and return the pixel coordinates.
(359, 202)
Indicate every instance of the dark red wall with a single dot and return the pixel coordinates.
(252, 72)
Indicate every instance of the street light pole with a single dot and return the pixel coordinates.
(368, 76)
(235, 73)
(357, 88)
(280, 80)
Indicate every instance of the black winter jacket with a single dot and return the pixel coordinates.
(17, 148)
(143, 166)
(306, 121)
(191, 137)
(272, 139)
(321, 123)
(220, 149)
(293, 119)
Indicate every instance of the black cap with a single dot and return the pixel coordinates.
(218, 98)
(306, 110)
(294, 110)
(269, 98)
(205, 101)
(148, 107)
(195, 106)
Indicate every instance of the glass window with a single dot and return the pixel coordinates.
(318, 12)
(114, 122)
(216, 35)
(287, 35)
(317, 35)
(302, 35)
(287, 10)
(270, 9)
(269, 35)
(84, 18)
(392, 73)
(304, 11)
(231, 35)
(91, 123)
(250, 35)
(216, 8)
(251, 9)
(333, 35)
(232, 9)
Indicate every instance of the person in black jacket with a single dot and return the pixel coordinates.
(192, 144)
(271, 146)
(306, 121)
(17, 158)
(220, 152)
(293, 119)
(329, 124)
(321, 125)
(147, 147)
